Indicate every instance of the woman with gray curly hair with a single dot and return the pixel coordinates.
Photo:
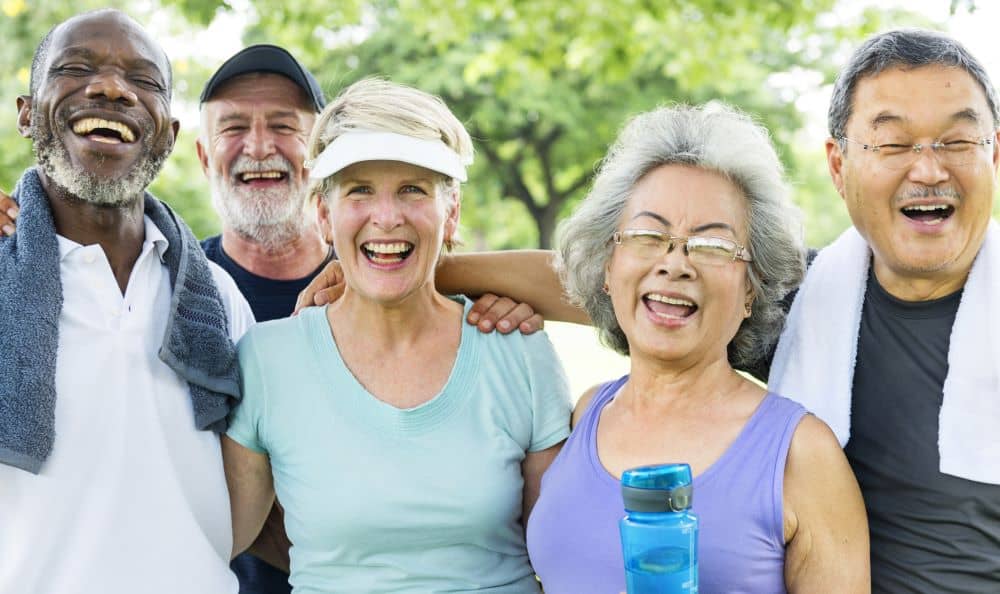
(680, 255)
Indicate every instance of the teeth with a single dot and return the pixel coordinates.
(88, 125)
(387, 248)
(927, 207)
(251, 175)
(669, 300)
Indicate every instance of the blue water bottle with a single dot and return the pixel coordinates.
(659, 532)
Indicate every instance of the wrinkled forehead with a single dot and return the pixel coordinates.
(685, 199)
(107, 35)
(928, 99)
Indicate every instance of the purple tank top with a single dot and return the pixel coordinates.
(573, 537)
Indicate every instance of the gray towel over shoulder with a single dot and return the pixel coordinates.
(196, 344)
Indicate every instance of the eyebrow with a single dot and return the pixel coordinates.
(659, 218)
(89, 54)
(243, 116)
(885, 117)
(698, 229)
(968, 114)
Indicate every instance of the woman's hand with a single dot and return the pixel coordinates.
(326, 287)
(8, 214)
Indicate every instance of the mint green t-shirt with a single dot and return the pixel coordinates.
(381, 499)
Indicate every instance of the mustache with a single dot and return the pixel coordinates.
(245, 164)
(928, 192)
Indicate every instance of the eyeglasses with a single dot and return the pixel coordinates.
(700, 249)
(902, 156)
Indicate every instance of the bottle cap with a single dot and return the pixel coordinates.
(660, 488)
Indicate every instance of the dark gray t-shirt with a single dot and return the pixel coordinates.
(930, 532)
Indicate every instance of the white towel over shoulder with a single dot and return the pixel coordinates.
(814, 362)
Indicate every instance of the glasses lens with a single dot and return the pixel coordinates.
(953, 153)
(645, 244)
(711, 251)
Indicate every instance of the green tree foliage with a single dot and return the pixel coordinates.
(543, 87)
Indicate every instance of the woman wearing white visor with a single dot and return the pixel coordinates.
(406, 446)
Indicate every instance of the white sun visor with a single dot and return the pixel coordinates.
(354, 147)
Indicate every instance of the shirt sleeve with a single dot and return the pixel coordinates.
(550, 398)
(246, 417)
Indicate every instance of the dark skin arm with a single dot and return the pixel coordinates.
(272, 543)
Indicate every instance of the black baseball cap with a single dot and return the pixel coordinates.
(266, 58)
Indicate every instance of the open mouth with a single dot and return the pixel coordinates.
(929, 214)
(102, 130)
(253, 177)
(669, 307)
(387, 252)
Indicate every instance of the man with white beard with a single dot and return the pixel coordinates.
(256, 114)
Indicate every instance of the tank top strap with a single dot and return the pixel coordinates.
(754, 465)
(604, 393)
(581, 443)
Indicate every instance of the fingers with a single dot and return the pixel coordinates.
(490, 311)
(479, 309)
(8, 214)
(532, 324)
(325, 288)
(513, 319)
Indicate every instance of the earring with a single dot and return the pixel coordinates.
(747, 309)
(606, 288)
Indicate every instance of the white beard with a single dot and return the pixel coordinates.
(271, 217)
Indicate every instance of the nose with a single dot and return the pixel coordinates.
(386, 211)
(258, 144)
(112, 87)
(928, 170)
(675, 264)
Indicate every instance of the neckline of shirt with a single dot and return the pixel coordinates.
(424, 417)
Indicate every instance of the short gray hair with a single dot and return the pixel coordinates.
(715, 138)
(908, 48)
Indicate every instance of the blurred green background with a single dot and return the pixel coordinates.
(543, 86)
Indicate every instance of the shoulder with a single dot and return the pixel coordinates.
(515, 346)
(601, 392)
(211, 246)
(786, 407)
(237, 308)
(813, 453)
(278, 335)
(583, 403)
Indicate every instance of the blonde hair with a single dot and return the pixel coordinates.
(379, 105)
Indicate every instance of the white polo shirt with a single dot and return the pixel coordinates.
(132, 498)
